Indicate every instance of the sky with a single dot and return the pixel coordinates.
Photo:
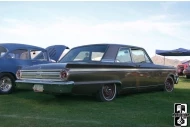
(151, 25)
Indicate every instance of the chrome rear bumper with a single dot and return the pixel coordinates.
(48, 86)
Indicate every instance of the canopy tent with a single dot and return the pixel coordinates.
(176, 52)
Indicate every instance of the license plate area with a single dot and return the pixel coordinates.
(38, 88)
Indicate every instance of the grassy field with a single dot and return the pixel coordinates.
(26, 108)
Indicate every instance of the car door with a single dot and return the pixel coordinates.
(128, 75)
(147, 74)
(16, 59)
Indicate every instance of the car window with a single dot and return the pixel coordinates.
(97, 56)
(18, 54)
(139, 56)
(38, 55)
(2, 51)
(123, 55)
(86, 53)
(83, 55)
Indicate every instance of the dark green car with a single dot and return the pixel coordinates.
(104, 70)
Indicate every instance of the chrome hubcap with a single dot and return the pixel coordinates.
(109, 91)
(5, 84)
(169, 85)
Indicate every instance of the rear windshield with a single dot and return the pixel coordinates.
(2, 51)
(85, 54)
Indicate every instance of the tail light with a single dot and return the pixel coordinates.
(64, 74)
(18, 74)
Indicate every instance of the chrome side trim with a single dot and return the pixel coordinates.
(44, 73)
(144, 86)
(93, 69)
(151, 86)
(44, 82)
(37, 70)
(114, 69)
(98, 82)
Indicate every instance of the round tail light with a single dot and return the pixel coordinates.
(63, 74)
(18, 74)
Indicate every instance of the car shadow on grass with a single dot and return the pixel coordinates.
(178, 93)
(48, 98)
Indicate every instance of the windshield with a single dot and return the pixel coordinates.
(2, 51)
(86, 53)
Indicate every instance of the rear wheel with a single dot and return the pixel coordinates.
(107, 93)
(169, 84)
(7, 83)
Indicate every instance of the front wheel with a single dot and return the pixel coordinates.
(169, 84)
(107, 93)
(7, 83)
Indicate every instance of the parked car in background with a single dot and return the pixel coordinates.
(186, 72)
(180, 69)
(104, 70)
(14, 56)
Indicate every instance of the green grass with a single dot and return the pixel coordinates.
(26, 108)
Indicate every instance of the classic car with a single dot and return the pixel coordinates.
(181, 68)
(186, 72)
(14, 56)
(104, 70)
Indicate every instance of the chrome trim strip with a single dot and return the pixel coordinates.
(144, 86)
(114, 69)
(42, 70)
(151, 86)
(93, 69)
(48, 80)
(98, 82)
(44, 82)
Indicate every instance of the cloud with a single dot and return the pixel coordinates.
(75, 31)
(71, 26)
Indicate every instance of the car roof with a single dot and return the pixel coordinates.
(13, 46)
(110, 44)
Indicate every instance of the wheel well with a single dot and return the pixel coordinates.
(12, 74)
(118, 86)
(172, 77)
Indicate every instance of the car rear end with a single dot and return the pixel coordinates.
(49, 80)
